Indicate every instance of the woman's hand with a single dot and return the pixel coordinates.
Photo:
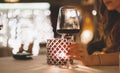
(79, 52)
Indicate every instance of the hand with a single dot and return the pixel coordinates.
(76, 51)
(79, 52)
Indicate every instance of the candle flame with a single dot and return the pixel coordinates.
(62, 55)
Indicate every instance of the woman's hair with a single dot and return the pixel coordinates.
(106, 17)
(109, 20)
(107, 29)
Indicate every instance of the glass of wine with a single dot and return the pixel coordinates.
(68, 24)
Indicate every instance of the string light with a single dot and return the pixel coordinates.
(94, 12)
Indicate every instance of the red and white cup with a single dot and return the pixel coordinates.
(57, 50)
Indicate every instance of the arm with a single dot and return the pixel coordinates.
(79, 52)
(105, 59)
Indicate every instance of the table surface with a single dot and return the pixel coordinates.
(39, 65)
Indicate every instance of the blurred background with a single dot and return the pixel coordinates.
(40, 18)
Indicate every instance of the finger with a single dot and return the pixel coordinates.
(76, 54)
(74, 51)
(73, 45)
(75, 57)
(77, 46)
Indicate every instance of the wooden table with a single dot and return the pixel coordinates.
(38, 65)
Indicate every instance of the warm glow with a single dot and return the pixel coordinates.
(11, 0)
(87, 30)
(88, 2)
(88, 23)
(86, 36)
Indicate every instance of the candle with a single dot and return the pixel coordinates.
(57, 51)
